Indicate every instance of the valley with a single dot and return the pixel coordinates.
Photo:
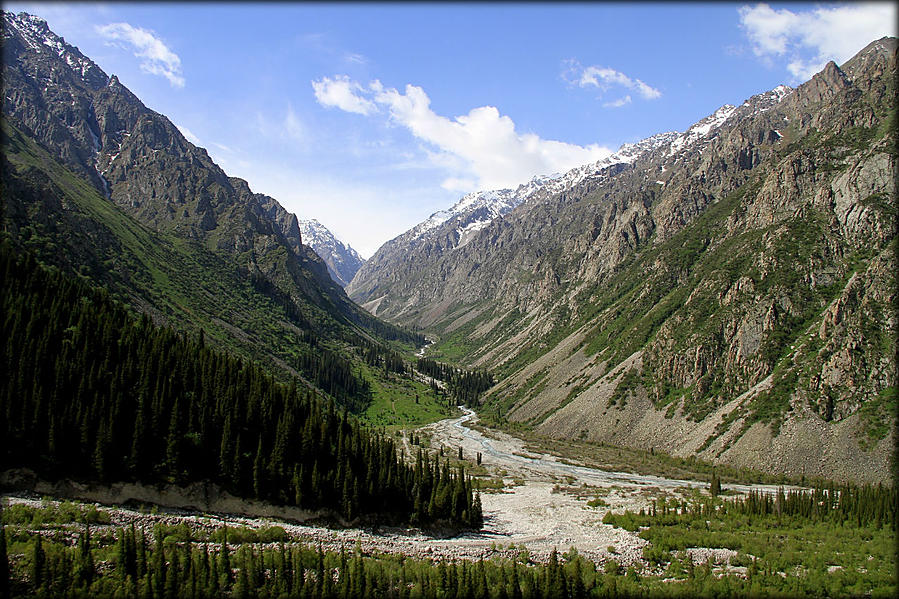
(663, 370)
(542, 506)
(546, 511)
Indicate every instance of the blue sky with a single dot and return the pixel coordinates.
(370, 117)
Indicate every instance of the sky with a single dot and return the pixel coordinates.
(370, 117)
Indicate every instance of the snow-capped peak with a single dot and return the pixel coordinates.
(702, 129)
(341, 259)
(496, 200)
(38, 36)
(477, 209)
(314, 233)
(755, 105)
(765, 101)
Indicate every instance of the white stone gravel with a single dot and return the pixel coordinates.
(542, 514)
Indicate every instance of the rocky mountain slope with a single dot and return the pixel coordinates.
(727, 293)
(398, 263)
(97, 183)
(342, 261)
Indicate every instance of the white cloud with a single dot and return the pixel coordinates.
(293, 126)
(341, 92)
(352, 209)
(355, 58)
(619, 102)
(458, 184)
(189, 135)
(480, 149)
(604, 79)
(158, 58)
(807, 40)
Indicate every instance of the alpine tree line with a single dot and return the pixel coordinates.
(465, 386)
(93, 393)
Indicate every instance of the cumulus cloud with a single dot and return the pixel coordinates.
(804, 41)
(341, 92)
(605, 79)
(481, 149)
(158, 59)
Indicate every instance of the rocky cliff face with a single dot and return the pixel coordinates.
(728, 292)
(343, 262)
(387, 284)
(139, 160)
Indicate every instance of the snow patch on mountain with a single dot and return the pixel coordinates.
(702, 128)
(341, 259)
(476, 210)
(37, 35)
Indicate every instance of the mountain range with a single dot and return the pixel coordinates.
(99, 185)
(726, 292)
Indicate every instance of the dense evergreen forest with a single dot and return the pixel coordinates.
(93, 393)
(465, 386)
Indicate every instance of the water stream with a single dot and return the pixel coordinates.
(549, 465)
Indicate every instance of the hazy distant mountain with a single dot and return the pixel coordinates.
(343, 261)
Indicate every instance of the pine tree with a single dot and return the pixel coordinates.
(258, 485)
(157, 569)
(578, 590)
(141, 555)
(4, 563)
(84, 574)
(172, 575)
(242, 588)
(38, 563)
(515, 583)
(121, 560)
(227, 576)
(135, 396)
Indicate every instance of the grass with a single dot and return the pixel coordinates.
(401, 402)
(876, 417)
(183, 282)
(833, 558)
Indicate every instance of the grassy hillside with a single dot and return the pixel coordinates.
(63, 220)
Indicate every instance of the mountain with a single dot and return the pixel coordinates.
(725, 292)
(97, 184)
(120, 399)
(342, 261)
(403, 258)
